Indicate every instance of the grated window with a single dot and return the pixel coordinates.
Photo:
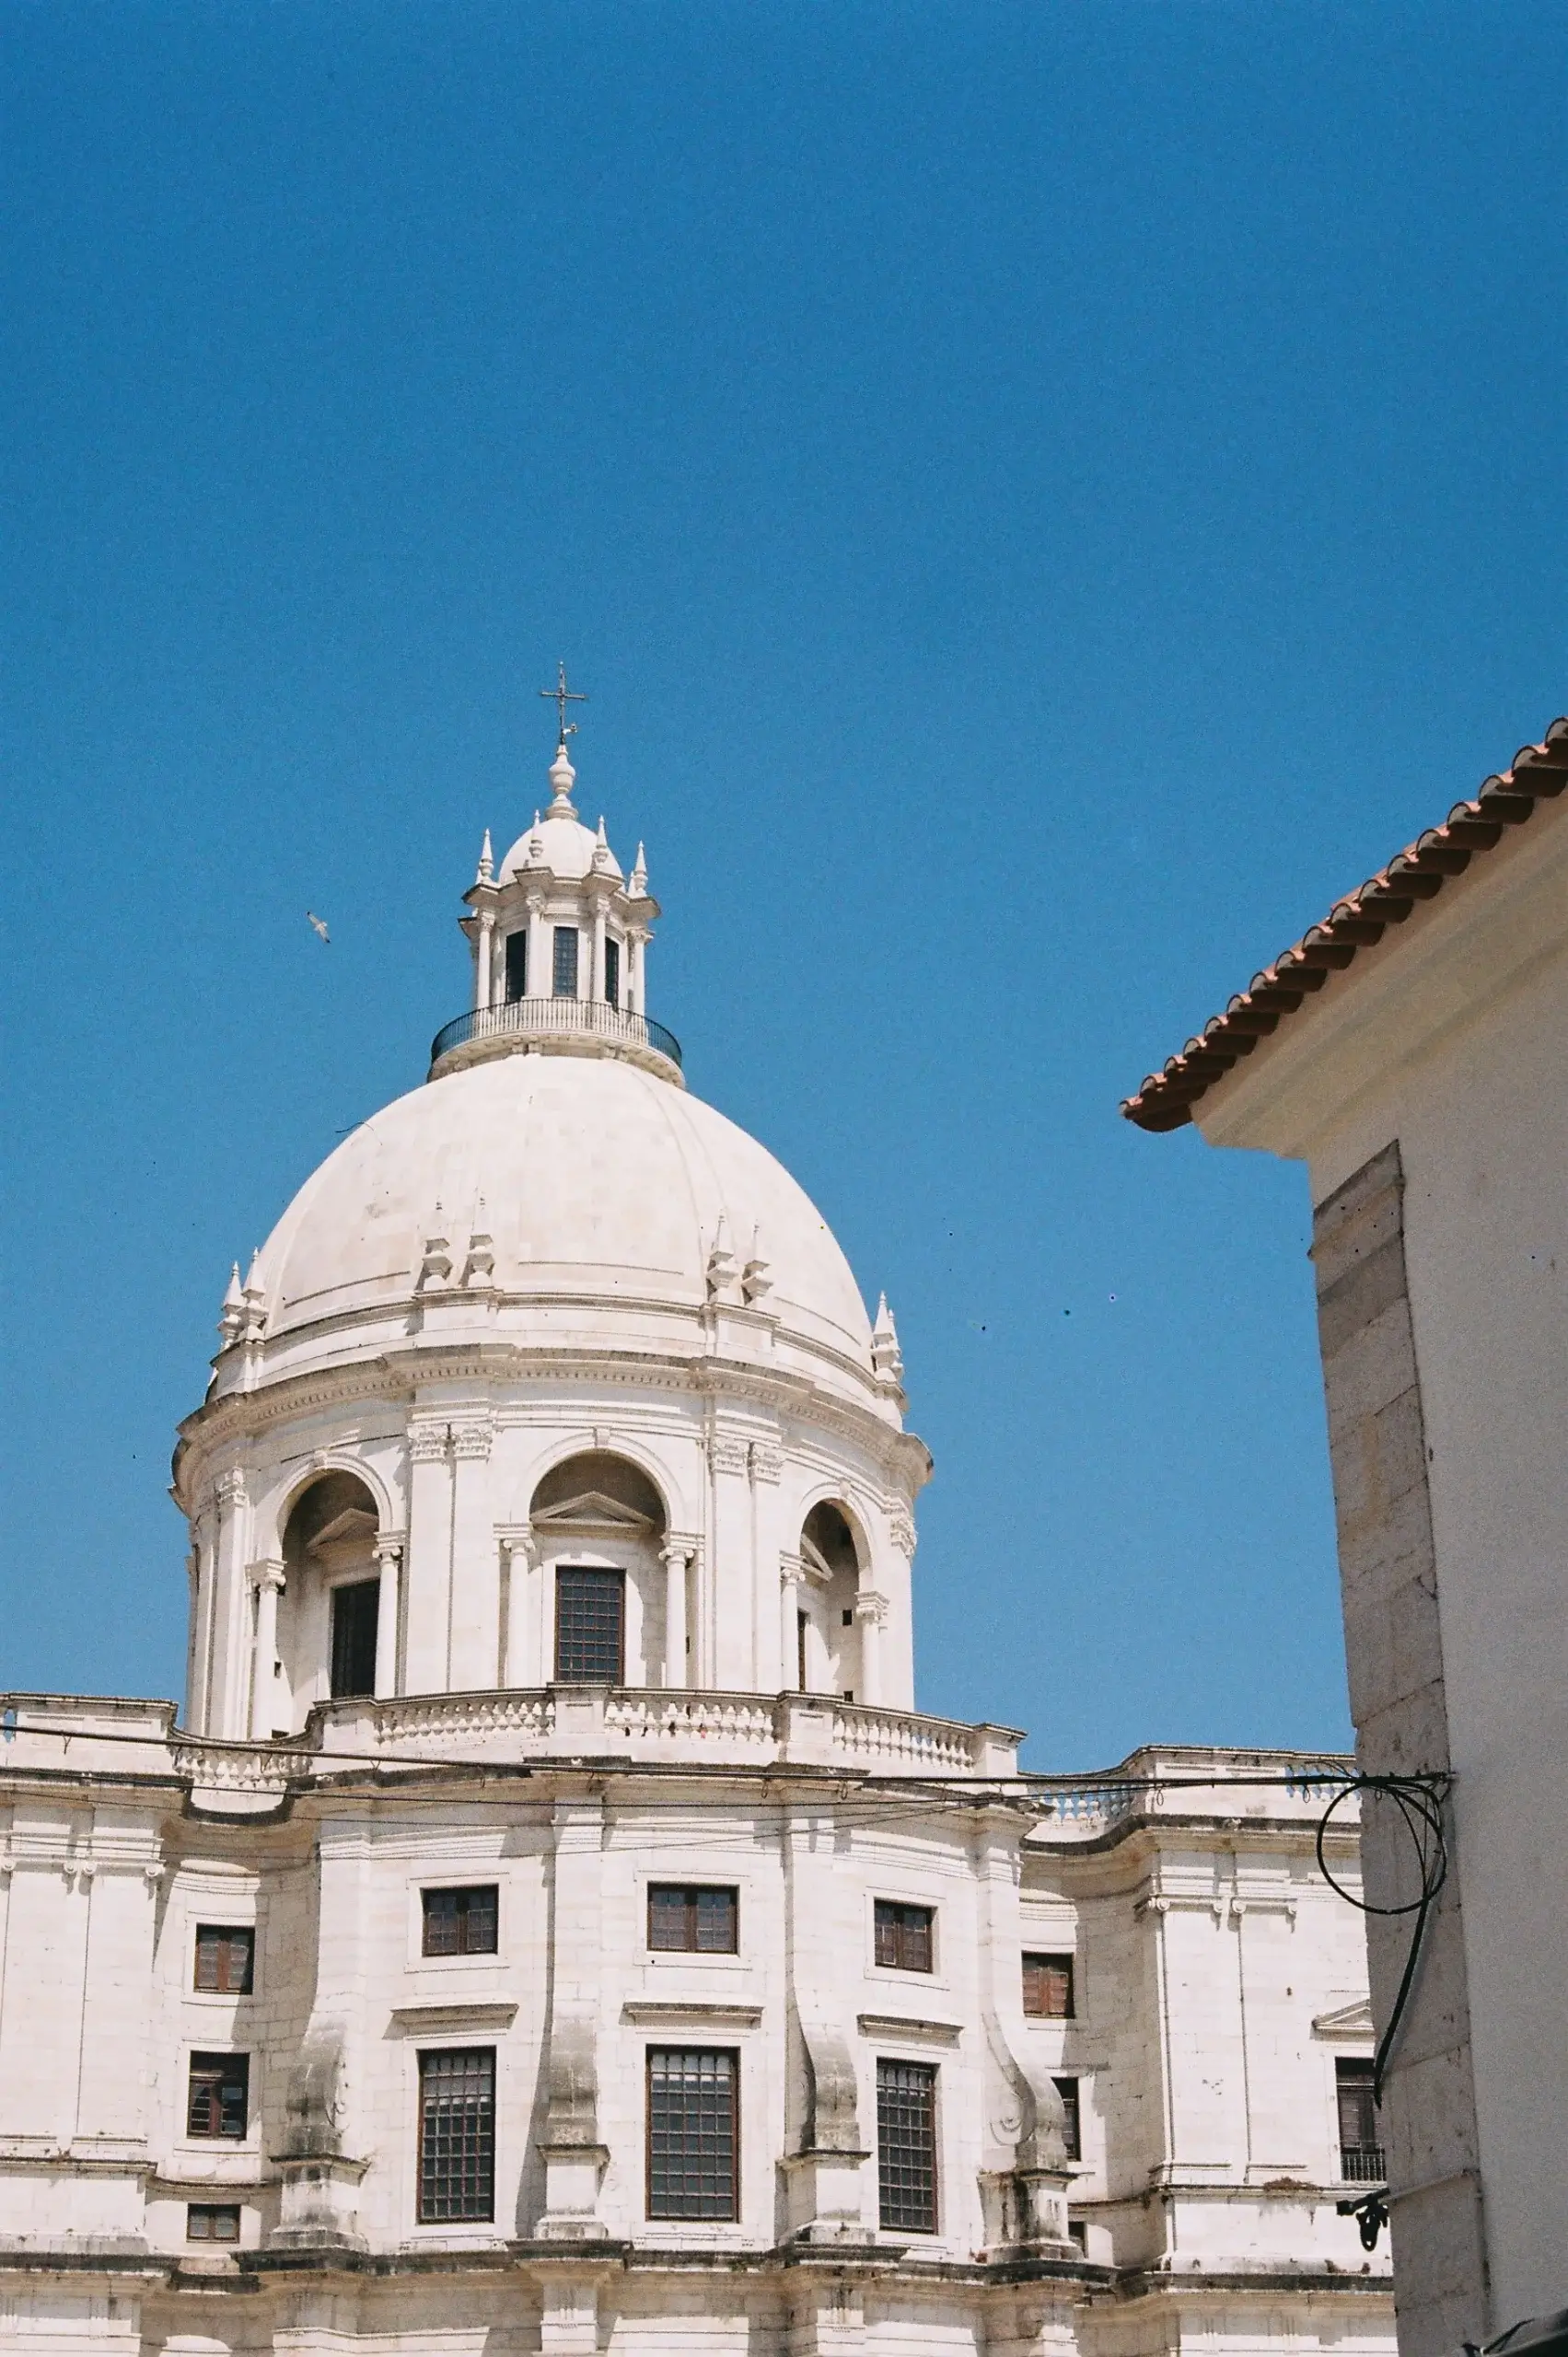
(591, 1610)
(906, 2146)
(456, 2134)
(692, 2132)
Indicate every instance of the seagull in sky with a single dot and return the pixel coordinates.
(317, 926)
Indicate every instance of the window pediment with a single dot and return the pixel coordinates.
(593, 1511)
(1349, 2022)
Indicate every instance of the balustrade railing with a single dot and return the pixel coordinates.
(556, 1018)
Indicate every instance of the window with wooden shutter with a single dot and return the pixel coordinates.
(517, 963)
(225, 1959)
(212, 2221)
(1361, 2151)
(356, 1610)
(461, 1922)
(218, 2097)
(1047, 1987)
(697, 1918)
(1072, 2118)
(903, 1935)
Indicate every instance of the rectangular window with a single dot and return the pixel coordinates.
(355, 1609)
(903, 1936)
(456, 2134)
(1361, 2152)
(590, 1612)
(801, 1625)
(517, 963)
(697, 1917)
(1072, 2123)
(1047, 1987)
(612, 973)
(694, 2132)
(461, 1922)
(565, 961)
(906, 2146)
(212, 2221)
(219, 2099)
(225, 1959)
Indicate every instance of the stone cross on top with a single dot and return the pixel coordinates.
(561, 695)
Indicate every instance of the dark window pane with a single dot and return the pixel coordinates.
(612, 972)
(903, 1936)
(1361, 2151)
(565, 976)
(691, 2133)
(456, 2134)
(212, 2221)
(692, 1916)
(1068, 2091)
(219, 2100)
(517, 963)
(1048, 1986)
(354, 1613)
(906, 2146)
(461, 1922)
(589, 1614)
(225, 1959)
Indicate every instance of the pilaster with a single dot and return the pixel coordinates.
(429, 1562)
(475, 1656)
(569, 2144)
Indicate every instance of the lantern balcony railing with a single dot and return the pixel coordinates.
(554, 1026)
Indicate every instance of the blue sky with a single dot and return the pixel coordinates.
(1042, 497)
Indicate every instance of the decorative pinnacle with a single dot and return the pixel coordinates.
(563, 777)
(561, 695)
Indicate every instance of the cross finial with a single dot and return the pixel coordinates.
(561, 695)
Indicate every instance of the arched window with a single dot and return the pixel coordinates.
(601, 1520)
(333, 1589)
(828, 1647)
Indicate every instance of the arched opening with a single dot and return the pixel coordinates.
(827, 1647)
(332, 1597)
(598, 1524)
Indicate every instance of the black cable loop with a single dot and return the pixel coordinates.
(1419, 1800)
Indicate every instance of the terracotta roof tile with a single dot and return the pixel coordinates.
(1166, 1099)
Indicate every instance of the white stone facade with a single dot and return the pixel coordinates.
(551, 1519)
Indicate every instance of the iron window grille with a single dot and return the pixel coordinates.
(212, 2221)
(219, 2099)
(356, 1610)
(1072, 2118)
(461, 1922)
(1047, 1987)
(517, 963)
(612, 973)
(1362, 2160)
(698, 1916)
(590, 1617)
(903, 1935)
(457, 2135)
(694, 2132)
(226, 1960)
(906, 2147)
(564, 976)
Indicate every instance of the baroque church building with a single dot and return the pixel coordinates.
(550, 1924)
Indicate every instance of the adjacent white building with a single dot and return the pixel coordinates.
(552, 1926)
(1412, 1050)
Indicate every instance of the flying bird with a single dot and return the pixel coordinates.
(318, 926)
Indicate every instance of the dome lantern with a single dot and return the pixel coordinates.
(559, 938)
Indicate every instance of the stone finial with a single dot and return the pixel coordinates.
(757, 1276)
(436, 1263)
(255, 1300)
(638, 887)
(563, 777)
(604, 858)
(886, 1359)
(231, 1323)
(721, 1261)
(486, 862)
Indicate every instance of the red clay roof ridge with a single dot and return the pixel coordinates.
(1538, 772)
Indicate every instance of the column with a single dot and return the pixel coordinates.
(870, 1611)
(596, 989)
(267, 1578)
(227, 1714)
(726, 1659)
(484, 960)
(541, 966)
(635, 1003)
(520, 1667)
(474, 1654)
(676, 1555)
(389, 1560)
(428, 1569)
(791, 1578)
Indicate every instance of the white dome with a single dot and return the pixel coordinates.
(567, 849)
(590, 1177)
